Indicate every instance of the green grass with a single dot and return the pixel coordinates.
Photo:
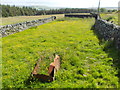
(84, 64)
(112, 17)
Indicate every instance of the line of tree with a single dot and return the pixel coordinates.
(65, 10)
(8, 10)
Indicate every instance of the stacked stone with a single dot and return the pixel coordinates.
(117, 38)
(108, 31)
(14, 28)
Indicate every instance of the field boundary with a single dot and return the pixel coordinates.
(14, 28)
(108, 31)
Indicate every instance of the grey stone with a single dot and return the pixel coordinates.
(14, 28)
(108, 31)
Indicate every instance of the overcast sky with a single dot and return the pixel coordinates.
(63, 3)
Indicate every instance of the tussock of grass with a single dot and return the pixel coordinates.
(84, 64)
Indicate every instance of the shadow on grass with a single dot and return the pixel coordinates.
(110, 49)
(32, 80)
(33, 27)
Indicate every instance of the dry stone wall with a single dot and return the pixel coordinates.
(108, 31)
(82, 15)
(14, 28)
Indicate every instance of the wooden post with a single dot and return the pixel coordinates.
(99, 10)
(35, 70)
(54, 66)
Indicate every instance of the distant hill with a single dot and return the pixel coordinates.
(48, 8)
(39, 7)
(108, 8)
(44, 7)
(111, 8)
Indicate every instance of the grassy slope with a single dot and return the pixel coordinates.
(113, 16)
(84, 64)
(18, 19)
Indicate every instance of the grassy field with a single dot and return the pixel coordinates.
(18, 19)
(111, 17)
(77, 13)
(84, 63)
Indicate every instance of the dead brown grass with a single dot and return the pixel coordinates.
(18, 19)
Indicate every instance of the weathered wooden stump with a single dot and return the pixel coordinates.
(53, 68)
